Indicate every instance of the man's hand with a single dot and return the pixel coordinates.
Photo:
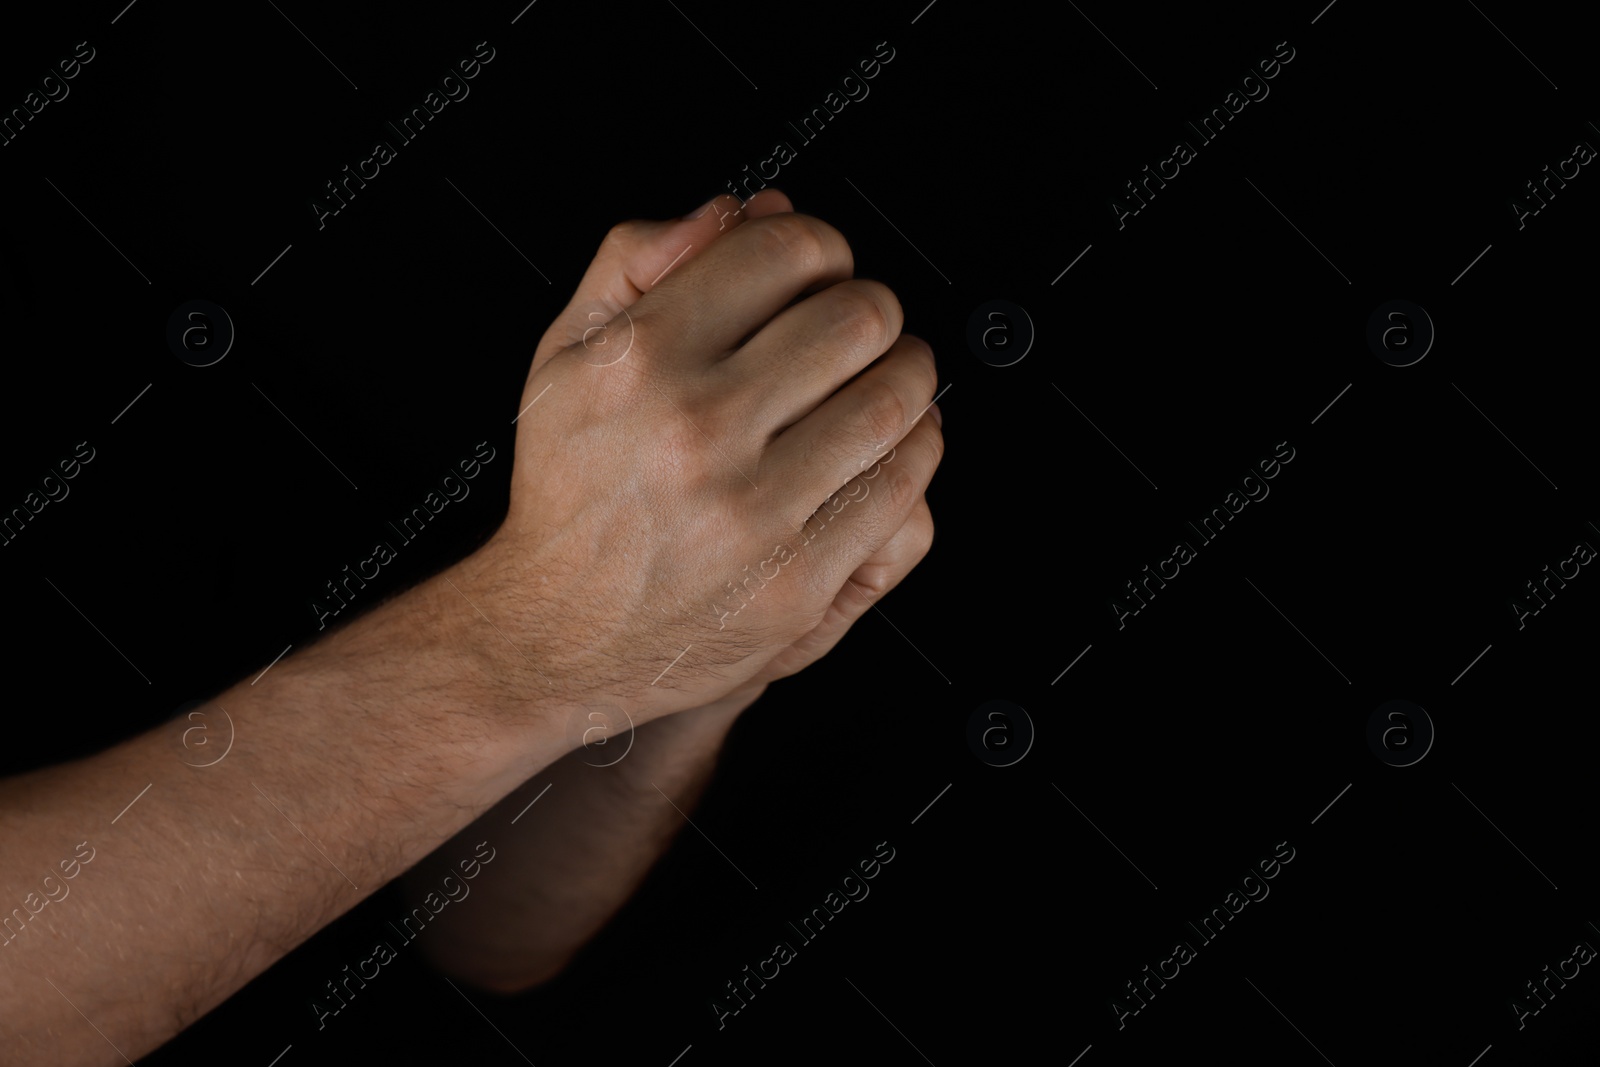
(640, 565)
(583, 852)
(701, 472)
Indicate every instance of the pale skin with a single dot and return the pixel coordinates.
(762, 385)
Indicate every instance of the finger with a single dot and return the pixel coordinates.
(636, 254)
(799, 358)
(874, 579)
(858, 521)
(835, 443)
(705, 309)
(889, 565)
(767, 202)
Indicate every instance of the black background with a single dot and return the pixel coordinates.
(1218, 322)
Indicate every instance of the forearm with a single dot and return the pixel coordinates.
(350, 761)
(597, 825)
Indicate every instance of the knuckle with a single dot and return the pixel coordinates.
(861, 321)
(922, 537)
(793, 239)
(913, 363)
(876, 582)
(882, 412)
(622, 234)
(922, 358)
(900, 490)
(888, 304)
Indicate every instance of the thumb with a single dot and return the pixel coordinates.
(636, 255)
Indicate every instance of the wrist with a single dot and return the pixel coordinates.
(427, 668)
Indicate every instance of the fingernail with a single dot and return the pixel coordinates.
(702, 210)
(933, 409)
